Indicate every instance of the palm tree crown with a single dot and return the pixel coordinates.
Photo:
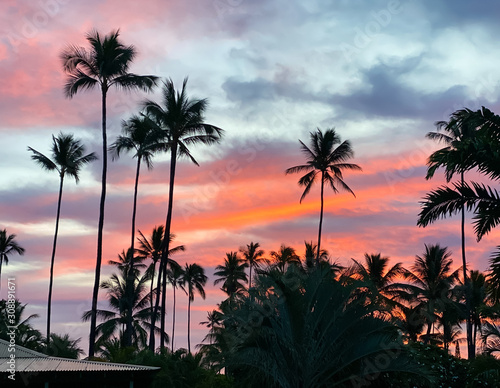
(232, 274)
(8, 246)
(193, 279)
(325, 160)
(254, 256)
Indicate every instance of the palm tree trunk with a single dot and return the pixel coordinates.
(166, 240)
(100, 227)
(134, 210)
(51, 277)
(151, 289)
(471, 348)
(320, 216)
(173, 321)
(189, 323)
(250, 284)
(155, 311)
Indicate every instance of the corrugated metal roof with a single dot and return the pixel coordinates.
(30, 361)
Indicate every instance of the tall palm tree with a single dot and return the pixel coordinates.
(183, 124)
(174, 274)
(105, 65)
(458, 134)
(254, 256)
(141, 137)
(8, 246)
(433, 280)
(68, 157)
(193, 279)
(285, 256)
(232, 274)
(326, 161)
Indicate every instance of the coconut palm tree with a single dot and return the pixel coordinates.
(8, 246)
(232, 274)
(26, 334)
(285, 256)
(325, 160)
(183, 124)
(379, 278)
(253, 257)
(105, 65)
(129, 318)
(193, 279)
(64, 346)
(68, 157)
(141, 137)
(153, 249)
(433, 281)
(310, 255)
(458, 134)
(174, 274)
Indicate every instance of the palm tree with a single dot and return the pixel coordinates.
(140, 136)
(433, 282)
(285, 256)
(327, 162)
(151, 248)
(105, 65)
(68, 157)
(232, 274)
(310, 255)
(193, 279)
(183, 124)
(130, 315)
(154, 249)
(174, 274)
(26, 334)
(8, 246)
(380, 279)
(64, 346)
(458, 135)
(253, 257)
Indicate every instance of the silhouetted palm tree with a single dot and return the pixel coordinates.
(380, 279)
(105, 65)
(327, 163)
(253, 257)
(232, 274)
(183, 124)
(193, 279)
(141, 137)
(8, 246)
(285, 256)
(68, 157)
(153, 249)
(174, 274)
(26, 334)
(310, 254)
(433, 280)
(64, 346)
(458, 134)
(130, 317)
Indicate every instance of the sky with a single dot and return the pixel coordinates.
(380, 72)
